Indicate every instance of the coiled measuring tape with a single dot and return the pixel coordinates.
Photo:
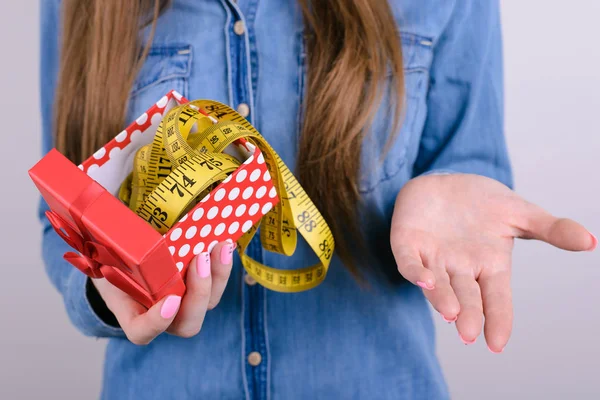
(183, 164)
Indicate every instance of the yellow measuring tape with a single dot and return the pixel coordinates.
(185, 162)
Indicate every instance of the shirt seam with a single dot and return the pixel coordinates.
(228, 51)
(248, 66)
(267, 347)
(243, 332)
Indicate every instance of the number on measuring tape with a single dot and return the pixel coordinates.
(186, 160)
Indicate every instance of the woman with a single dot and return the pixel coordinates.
(397, 137)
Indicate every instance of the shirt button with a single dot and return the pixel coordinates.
(243, 110)
(239, 28)
(250, 281)
(254, 358)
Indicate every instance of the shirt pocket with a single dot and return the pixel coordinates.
(417, 55)
(166, 68)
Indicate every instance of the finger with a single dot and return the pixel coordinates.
(442, 298)
(140, 325)
(221, 261)
(497, 307)
(195, 302)
(412, 269)
(470, 318)
(564, 233)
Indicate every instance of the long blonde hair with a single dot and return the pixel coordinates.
(351, 46)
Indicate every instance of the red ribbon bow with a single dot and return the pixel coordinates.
(91, 257)
(98, 261)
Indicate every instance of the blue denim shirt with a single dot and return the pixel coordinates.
(340, 340)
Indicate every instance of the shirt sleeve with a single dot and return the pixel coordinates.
(464, 129)
(69, 281)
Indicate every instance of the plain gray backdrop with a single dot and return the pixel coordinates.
(552, 74)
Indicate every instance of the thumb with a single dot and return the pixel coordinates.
(139, 324)
(563, 233)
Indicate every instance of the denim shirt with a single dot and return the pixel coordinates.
(341, 340)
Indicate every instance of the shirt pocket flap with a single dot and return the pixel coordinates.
(163, 63)
(417, 55)
(416, 52)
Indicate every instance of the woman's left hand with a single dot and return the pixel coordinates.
(453, 236)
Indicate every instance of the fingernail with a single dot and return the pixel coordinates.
(467, 342)
(227, 253)
(170, 307)
(594, 242)
(203, 265)
(449, 320)
(424, 285)
(495, 352)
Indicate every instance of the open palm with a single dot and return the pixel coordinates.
(453, 236)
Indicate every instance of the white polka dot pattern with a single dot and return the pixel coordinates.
(197, 215)
(184, 250)
(114, 152)
(100, 153)
(135, 135)
(121, 137)
(235, 192)
(142, 119)
(212, 245)
(92, 168)
(220, 229)
(266, 208)
(132, 133)
(233, 228)
(255, 175)
(191, 232)
(162, 103)
(247, 225)
(227, 213)
(240, 210)
(205, 231)
(212, 213)
(247, 193)
(260, 193)
(220, 194)
(175, 234)
(156, 118)
(254, 209)
(241, 176)
(198, 248)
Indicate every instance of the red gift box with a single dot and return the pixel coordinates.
(114, 242)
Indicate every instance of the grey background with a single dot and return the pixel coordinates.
(553, 103)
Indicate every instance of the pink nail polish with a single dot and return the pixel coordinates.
(467, 342)
(449, 320)
(495, 352)
(594, 242)
(227, 253)
(203, 265)
(425, 285)
(170, 307)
